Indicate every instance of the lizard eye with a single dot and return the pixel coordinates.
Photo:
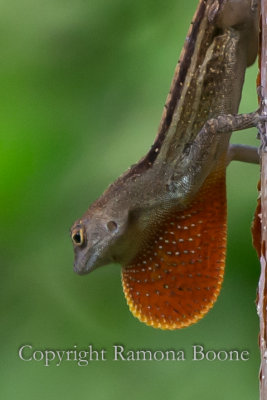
(112, 226)
(78, 237)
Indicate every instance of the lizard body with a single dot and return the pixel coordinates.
(164, 219)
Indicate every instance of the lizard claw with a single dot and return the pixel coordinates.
(261, 98)
(261, 124)
(261, 135)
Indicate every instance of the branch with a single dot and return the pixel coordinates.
(260, 222)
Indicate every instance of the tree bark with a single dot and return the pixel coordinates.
(260, 223)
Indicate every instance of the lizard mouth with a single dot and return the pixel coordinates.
(88, 260)
(85, 264)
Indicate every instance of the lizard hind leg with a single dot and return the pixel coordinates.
(177, 278)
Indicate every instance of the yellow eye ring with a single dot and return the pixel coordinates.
(78, 237)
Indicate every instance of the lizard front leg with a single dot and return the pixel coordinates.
(229, 123)
(225, 124)
(244, 153)
(221, 125)
(205, 152)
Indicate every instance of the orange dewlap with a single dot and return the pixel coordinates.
(177, 278)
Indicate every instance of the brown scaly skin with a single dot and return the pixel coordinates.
(164, 219)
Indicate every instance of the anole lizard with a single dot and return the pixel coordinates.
(164, 219)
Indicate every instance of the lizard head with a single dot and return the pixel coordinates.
(112, 230)
(96, 238)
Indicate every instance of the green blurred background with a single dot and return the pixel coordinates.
(83, 85)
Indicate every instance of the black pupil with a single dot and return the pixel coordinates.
(77, 238)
